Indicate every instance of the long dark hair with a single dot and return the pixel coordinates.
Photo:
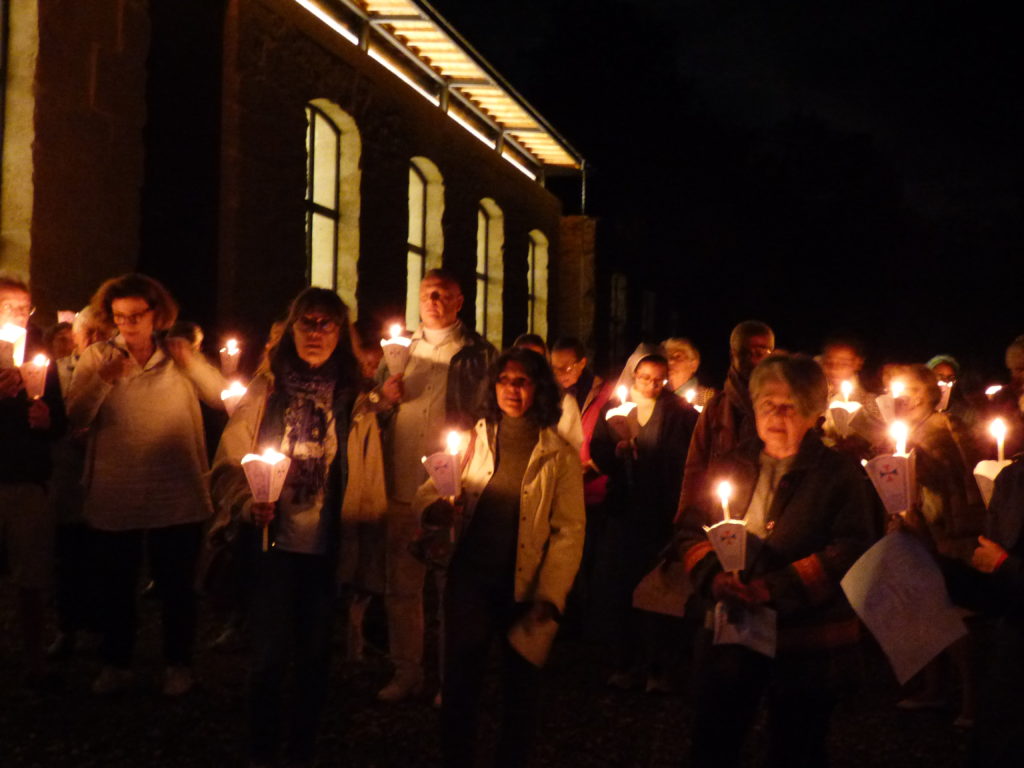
(547, 398)
(283, 355)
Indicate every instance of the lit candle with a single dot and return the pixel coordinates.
(453, 442)
(896, 388)
(33, 374)
(724, 491)
(266, 474)
(623, 393)
(396, 350)
(846, 388)
(230, 354)
(624, 408)
(994, 390)
(232, 395)
(998, 430)
(899, 432)
(15, 336)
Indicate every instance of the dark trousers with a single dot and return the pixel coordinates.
(74, 591)
(476, 612)
(730, 682)
(291, 612)
(117, 559)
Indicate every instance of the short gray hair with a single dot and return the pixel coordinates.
(801, 374)
(746, 330)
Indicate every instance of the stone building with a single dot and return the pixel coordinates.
(241, 149)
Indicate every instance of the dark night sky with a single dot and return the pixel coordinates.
(816, 166)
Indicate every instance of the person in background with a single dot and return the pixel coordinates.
(591, 393)
(518, 536)
(569, 426)
(59, 341)
(145, 485)
(809, 516)
(27, 430)
(1007, 403)
(728, 418)
(442, 387)
(75, 598)
(963, 415)
(300, 406)
(842, 359)
(683, 362)
(645, 473)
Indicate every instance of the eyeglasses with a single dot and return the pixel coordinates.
(517, 382)
(566, 368)
(768, 408)
(318, 324)
(645, 379)
(132, 319)
(17, 309)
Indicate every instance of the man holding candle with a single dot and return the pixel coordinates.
(442, 386)
(809, 515)
(728, 418)
(27, 429)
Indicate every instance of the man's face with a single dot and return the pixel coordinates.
(15, 307)
(840, 364)
(567, 367)
(440, 302)
(752, 351)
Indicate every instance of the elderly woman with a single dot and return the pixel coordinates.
(518, 541)
(809, 515)
(145, 479)
(683, 362)
(301, 407)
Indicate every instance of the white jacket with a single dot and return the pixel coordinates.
(552, 520)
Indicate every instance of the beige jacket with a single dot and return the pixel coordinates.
(552, 518)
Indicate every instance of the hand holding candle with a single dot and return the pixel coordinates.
(33, 374)
(729, 536)
(396, 350)
(266, 474)
(230, 354)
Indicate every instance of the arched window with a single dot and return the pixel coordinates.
(490, 271)
(537, 276)
(426, 237)
(332, 200)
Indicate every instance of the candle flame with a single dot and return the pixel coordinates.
(453, 441)
(997, 429)
(395, 330)
(896, 388)
(690, 395)
(846, 388)
(899, 432)
(231, 346)
(623, 393)
(271, 456)
(41, 361)
(993, 390)
(235, 389)
(724, 491)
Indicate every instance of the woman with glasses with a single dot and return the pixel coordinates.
(518, 533)
(138, 396)
(300, 406)
(644, 455)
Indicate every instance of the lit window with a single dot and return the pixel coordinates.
(537, 275)
(332, 200)
(490, 271)
(426, 238)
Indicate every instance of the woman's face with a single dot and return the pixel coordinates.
(649, 379)
(779, 422)
(316, 337)
(515, 390)
(945, 372)
(915, 393)
(133, 317)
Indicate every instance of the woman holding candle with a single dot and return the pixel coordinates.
(645, 474)
(145, 486)
(519, 538)
(810, 513)
(300, 407)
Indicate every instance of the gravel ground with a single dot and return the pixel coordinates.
(586, 724)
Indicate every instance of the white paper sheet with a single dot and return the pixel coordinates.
(754, 627)
(898, 591)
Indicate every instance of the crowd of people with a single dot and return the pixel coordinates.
(580, 503)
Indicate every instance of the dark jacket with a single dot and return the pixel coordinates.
(726, 421)
(823, 517)
(25, 452)
(467, 379)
